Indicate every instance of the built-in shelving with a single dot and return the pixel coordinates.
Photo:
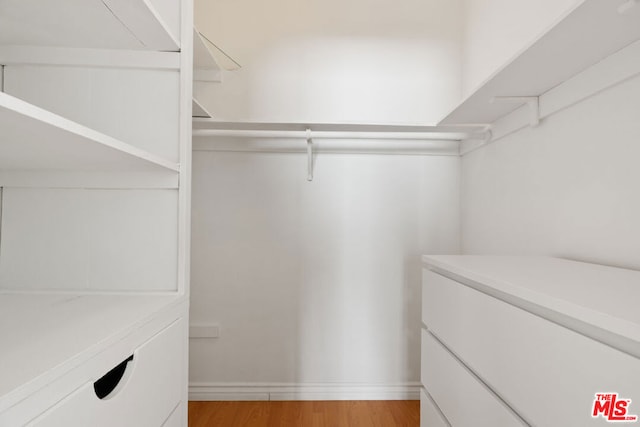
(36, 139)
(135, 24)
(83, 60)
(45, 335)
(590, 32)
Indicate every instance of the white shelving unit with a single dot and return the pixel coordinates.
(592, 31)
(58, 157)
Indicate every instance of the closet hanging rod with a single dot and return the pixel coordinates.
(280, 134)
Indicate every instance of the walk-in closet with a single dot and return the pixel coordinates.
(427, 205)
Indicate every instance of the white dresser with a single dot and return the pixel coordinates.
(512, 341)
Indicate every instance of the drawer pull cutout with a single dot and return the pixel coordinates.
(109, 381)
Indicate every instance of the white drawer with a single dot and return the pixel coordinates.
(463, 399)
(430, 415)
(147, 394)
(545, 372)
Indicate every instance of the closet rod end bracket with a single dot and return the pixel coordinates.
(309, 156)
(532, 101)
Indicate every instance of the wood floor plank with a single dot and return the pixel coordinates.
(362, 413)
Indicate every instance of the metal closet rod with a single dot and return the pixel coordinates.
(437, 140)
(212, 128)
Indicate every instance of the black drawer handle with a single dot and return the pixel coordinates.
(109, 381)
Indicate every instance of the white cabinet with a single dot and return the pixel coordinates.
(95, 146)
(543, 336)
(146, 394)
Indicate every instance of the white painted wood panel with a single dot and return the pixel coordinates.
(509, 348)
(89, 239)
(430, 415)
(133, 237)
(149, 390)
(44, 239)
(36, 140)
(136, 106)
(463, 399)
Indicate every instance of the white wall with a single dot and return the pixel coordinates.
(320, 282)
(89, 239)
(315, 282)
(497, 30)
(334, 61)
(567, 188)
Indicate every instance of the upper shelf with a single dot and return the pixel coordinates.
(593, 30)
(36, 139)
(205, 66)
(113, 24)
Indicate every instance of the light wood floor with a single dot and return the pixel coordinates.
(388, 413)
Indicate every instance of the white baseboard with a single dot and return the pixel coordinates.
(315, 391)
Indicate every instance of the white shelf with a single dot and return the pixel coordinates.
(592, 31)
(45, 335)
(197, 110)
(132, 24)
(598, 301)
(205, 69)
(36, 139)
(205, 66)
(445, 132)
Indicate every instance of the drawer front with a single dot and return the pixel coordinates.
(463, 399)
(430, 415)
(148, 392)
(177, 418)
(545, 372)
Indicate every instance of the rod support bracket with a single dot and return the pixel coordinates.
(309, 156)
(532, 101)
